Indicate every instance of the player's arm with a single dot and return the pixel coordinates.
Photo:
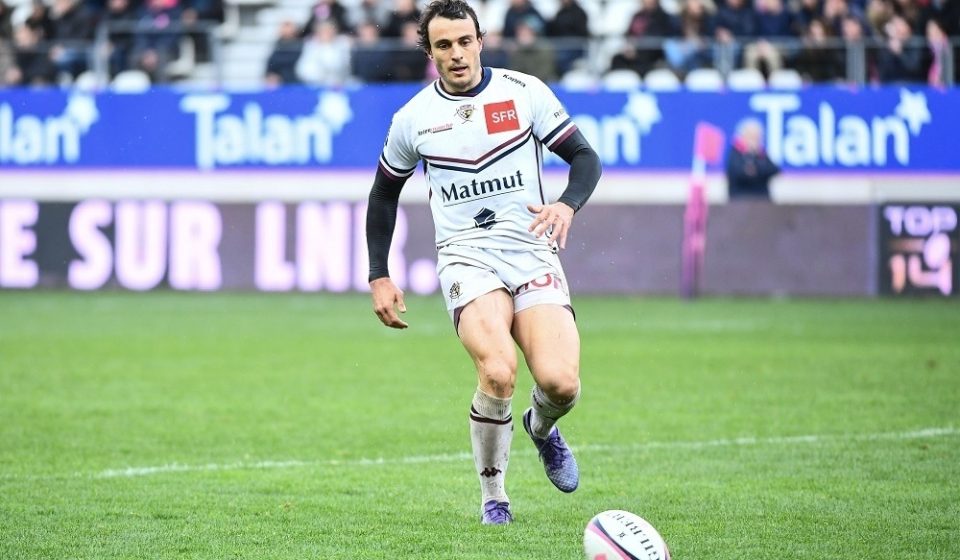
(381, 220)
(585, 170)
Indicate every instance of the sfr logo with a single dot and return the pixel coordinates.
(501, 117)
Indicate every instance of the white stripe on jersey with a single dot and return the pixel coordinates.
(482, 155)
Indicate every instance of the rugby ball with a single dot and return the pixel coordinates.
(621, 535)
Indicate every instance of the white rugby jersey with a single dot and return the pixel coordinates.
(482, 155)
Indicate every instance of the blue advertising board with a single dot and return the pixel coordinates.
(818, 128)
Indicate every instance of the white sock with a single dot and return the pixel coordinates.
(546, 412)
(491, 431)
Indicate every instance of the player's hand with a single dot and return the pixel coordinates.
(387, 301)
(555, 218)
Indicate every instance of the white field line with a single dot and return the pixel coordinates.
(591, 448)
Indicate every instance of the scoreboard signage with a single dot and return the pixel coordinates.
(919, 249)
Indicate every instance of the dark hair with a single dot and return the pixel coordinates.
(450, 9)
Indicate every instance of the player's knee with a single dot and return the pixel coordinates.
(562, 388)
(498, 378)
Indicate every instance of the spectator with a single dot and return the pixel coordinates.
(738, 19)
(819, 60)
(518, 12)
(773, 19)
(122, 15)
(773, 24)
(282, 64)
(948, 14)
(899, 61)
(834, 12)
(494, 53)
(157, 37)
(404, 12)
(197, 12)
(736, 25)
(326, 10)
(7, 60)
(32, 66)
(910, 11)
(72, 26)
(805, 12)
(569, 32)
(938, 45)
(629, 58)
(690, 50)
(369, 62)
(407, 62)
(6, 28)
(531, 53)
(877, 15)
(39, 19)
(749, 169)
(325, 59)
(367, 11)
(650, 22)
(853, 36)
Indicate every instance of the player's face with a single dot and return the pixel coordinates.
(455, 50)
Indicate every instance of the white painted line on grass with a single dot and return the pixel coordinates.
(130, 472)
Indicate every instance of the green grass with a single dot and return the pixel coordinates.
(267, 417)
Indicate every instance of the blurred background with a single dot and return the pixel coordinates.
(750, 147)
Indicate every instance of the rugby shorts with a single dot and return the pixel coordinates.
(531, 277)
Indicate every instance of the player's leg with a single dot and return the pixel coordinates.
(484, 329)
(548, 337)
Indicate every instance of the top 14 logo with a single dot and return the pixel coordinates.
(921, 241)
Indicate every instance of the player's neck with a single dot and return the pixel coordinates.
(473, 87)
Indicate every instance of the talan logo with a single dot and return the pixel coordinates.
(501, 117)
(466, 111)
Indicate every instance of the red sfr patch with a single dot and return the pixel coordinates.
(501, 117)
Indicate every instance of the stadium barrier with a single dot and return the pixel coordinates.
(752, 248)
(265, 191)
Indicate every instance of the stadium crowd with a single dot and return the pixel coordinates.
(51, 42)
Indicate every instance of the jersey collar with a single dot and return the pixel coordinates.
(473, 92)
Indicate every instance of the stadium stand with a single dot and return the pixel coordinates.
(228, 46)
(745, 79)
(662, 79)
(130, 81)
(621, 80)
(785, 78)
(704, 79)
(579, 80)
(87, 81)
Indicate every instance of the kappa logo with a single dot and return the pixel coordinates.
(455, 292)
(465, 111)
(501, 117)
(490, 472)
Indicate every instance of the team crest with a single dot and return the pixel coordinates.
(465, 112)
(455, 290)
(485, 218)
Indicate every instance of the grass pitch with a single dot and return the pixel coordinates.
(172, 425)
